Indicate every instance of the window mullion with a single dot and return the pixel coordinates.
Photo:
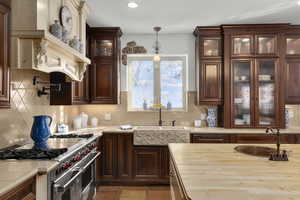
(157, 82)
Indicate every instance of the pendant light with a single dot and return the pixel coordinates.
(156, 46)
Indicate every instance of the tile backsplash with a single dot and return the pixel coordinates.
(15, 123)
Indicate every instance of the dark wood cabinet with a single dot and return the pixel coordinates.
(210, 138)
(4, 56)
(105, 55)
(146, 163)
(209, 66)
(253, 76)
(25, 191)
(122, 163)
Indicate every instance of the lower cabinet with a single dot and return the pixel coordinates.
(244, 138)
(122, 163)
(25, 191)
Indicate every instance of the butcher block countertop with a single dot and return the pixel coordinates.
(218, 172)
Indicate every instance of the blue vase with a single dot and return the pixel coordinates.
(212, 117)
(40, 131)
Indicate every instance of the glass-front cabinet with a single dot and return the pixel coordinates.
(242, 45)
(266, 44)
(242, 92)
(254, 99)
(293, 45)
(211, 47)
(266, 92)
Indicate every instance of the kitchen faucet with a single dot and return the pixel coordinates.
(160, 121)
(278, 156)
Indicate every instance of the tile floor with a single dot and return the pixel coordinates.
(133, 193)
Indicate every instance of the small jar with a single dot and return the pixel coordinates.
(74, 43)
(65, 35)
(56, 29)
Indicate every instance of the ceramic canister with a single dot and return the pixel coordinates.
(56, 29)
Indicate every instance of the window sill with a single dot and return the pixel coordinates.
(155, 111)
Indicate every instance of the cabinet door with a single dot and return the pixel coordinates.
(211, 82)
(266, 93)
(266, 44)
(211, 47)
(125, 151)
(80, 93)
(104, 70)
(242, 84)
(110, 156)
(146, 163)
(293, 45)
(292, 92)
(165, 163)
(4, 57)
(242, 45)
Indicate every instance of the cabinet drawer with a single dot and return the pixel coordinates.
(210, 138)
(263, 139)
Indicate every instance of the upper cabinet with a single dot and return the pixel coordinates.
(292, 65)
(4, 56)
(34, 47)
(209, 65)
(254, 96)
(104, 72)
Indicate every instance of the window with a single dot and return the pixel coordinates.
(152, 83)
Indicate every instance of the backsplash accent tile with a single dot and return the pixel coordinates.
(15, 123)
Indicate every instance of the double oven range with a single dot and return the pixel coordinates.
(74, 177)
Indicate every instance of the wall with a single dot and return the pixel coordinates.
(15, 123)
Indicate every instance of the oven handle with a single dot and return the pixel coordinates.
(62, 188)
(91, 161)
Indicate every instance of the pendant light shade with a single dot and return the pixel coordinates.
(156, 46)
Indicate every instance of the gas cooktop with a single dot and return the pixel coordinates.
(33, 154)
(72, 136)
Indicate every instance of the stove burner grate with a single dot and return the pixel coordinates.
(72, 136)
(33, 154)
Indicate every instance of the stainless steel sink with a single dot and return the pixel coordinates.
(255, 150)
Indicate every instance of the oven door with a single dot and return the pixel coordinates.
(68, 186)
(88, 187)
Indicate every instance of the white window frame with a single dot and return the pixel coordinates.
(134, 57)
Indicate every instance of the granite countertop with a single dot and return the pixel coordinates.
(15, 172)
(116, 129)
(218, 172)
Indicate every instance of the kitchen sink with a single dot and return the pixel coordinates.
(255, 150)
(160, 128)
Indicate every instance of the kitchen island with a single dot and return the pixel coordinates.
(218, 172)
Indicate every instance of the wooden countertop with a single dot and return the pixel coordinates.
(218, 172)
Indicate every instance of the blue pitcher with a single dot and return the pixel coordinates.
(40, 131)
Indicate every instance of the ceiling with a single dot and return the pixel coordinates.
(181, 16)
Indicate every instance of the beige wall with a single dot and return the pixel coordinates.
(15, 123)
(121, 116)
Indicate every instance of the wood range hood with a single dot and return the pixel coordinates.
(34, 47)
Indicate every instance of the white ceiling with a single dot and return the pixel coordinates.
(181, 16)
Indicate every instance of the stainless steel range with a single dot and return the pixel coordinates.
(74, 177)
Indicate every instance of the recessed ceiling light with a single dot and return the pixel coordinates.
(132, 4)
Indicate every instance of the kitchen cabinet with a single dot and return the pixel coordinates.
(243, 138)
(253, 74)
(292, 63)
(25, 191)
(122, 163)
(4, 56)
(106, 59)
(146, 163)
(209, 66)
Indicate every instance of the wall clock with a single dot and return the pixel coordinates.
(66, 18)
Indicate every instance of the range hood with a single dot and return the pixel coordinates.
(34, 47)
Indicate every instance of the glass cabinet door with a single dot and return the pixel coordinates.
(242, 92)
(266, 44)
(266, 92)
(242, 45)
(104, 47)
(293, 46)
(211, 47)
